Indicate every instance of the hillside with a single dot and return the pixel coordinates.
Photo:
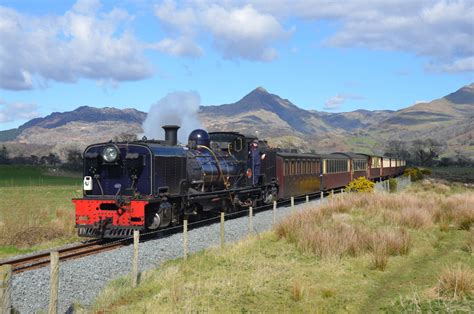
(448, 119)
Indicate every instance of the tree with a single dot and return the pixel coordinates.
(53, 160)
(34, 160)
(4, 155)
(425, 151)
(73, 159)
(397, 149)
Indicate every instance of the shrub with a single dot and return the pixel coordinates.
(392, 183)
(414, 173)
(360, 184)
(426, 171)
(456, 282)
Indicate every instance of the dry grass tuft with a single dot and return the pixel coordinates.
(380, 255)
(335, 240)
(395, 242)
(458, 210)
(327, 233)
(415, 218)
(297, 290)
(456, 282)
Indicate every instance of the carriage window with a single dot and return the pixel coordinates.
(360, 165)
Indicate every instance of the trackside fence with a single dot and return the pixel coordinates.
(6, 270)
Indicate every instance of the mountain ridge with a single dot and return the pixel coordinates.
(277, 119)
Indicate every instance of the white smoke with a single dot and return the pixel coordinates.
(180, 108)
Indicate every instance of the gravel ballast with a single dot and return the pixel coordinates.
(82, 279)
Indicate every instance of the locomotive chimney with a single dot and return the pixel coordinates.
(171, 134)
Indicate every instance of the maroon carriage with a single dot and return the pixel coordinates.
(336, 171)
(298, 174)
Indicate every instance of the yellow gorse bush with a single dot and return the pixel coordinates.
(360, 184)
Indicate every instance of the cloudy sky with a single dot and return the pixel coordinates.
(320, 54)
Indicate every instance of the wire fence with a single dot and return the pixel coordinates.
(6, 270)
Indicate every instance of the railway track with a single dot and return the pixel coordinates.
(42, 259)
(39, 260)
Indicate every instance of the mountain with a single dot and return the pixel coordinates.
(448, 109)
(280, 116)
(86, 114)
(449, 119)
(259, 100)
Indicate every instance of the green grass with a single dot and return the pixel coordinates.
(16, 175)
(363, 145)
(269, 272)
(12, 250)
(457, 174)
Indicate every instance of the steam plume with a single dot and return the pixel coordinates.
(178, 108)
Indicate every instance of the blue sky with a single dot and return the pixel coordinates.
(320, 54)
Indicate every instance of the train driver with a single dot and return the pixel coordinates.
(255, 158)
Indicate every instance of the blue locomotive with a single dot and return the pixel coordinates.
(149, 184)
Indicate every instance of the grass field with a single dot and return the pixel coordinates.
(13, 175)
(405, 252)
(36, 211)
(458, 174)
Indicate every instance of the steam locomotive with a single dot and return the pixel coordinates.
(149, 185)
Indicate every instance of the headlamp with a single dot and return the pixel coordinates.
(110, 153)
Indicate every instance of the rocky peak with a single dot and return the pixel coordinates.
(464, 95)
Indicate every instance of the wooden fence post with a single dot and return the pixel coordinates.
(5, 289)
(222, 230)
(292, 204)
(250, 220)
(307, 198)
(136, 240)
(185, 238)
(274, 211)
(54, 283)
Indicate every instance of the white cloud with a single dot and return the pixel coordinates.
(82, 43)
(336, 102)
(442, 31)
(17, 111)
(421, 102)
(460, 65)
(181, 46)
(238, 31)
